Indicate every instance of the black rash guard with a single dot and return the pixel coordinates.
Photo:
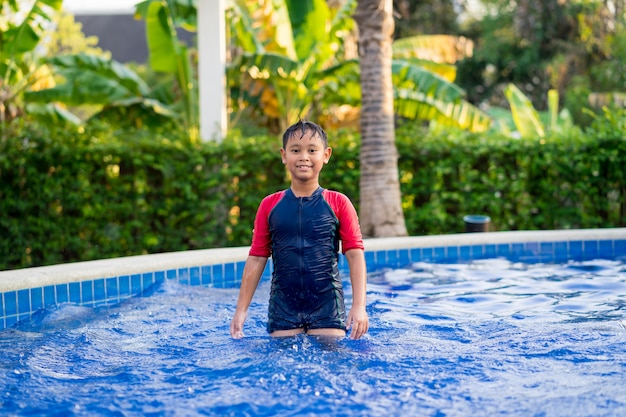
(303, 236)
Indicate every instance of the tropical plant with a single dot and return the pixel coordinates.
(22, 27)
(91, 79)
(289, 64)
(528, 122)
(118, 91)
(169, 55)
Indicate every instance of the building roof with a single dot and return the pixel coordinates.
(122, 35)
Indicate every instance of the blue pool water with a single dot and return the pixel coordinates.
(485, 338)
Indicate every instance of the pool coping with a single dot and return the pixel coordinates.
(19, 279)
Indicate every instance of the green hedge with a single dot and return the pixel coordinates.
(72, 196)
(574, 181)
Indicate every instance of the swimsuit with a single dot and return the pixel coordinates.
(303, 236)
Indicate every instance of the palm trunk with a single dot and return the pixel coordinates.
(380, 203)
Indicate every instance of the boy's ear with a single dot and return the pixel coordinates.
(282, 155)
(327, 153)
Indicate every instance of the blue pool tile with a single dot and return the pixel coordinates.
(619, 248)
(10, 303)
(370, 258)
(207, 277)
(561, 251)
(403, 258)
(23, 301)
(453, 253)
(183, 275)
(465, 253)
(590, 249)
(2, 312)
(36, 298)
(62, 291)
(49, 296)
(194, 275)
(147, 281)
(218, 275)
(415, 255)
(392, 259)
(576, 250)
(531, 252)
(504, 250)
(241, 265)
(135, 284)
(491, 251)
(229, 274)
(439, 254)
(477, 252)
(99, 292)
(159, 277)
(605, 249)
(112, 290)
(171, 274)
(10, 321)
(74, 288)
(546, 252)
(517, 252)
(87, 292)
(124, 286)
(427, 254)
(380, 258)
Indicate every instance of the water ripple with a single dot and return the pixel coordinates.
(486, 338)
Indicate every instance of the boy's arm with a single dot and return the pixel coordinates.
(357, 318)
(255, 265)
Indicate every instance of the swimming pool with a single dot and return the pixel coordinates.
(527, 323)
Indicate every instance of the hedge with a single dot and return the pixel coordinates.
(69, 196)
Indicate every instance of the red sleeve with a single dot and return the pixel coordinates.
(349, 229)
(261, 242)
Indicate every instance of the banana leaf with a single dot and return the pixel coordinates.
(26, 36)
(525, 116)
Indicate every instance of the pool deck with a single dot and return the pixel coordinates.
(14, 280)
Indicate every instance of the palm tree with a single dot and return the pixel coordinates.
(381, 212)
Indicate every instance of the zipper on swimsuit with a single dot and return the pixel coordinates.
(301, 244)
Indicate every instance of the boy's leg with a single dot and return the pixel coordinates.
(327, 332)
(286, 333)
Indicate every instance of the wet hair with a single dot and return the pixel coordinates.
(301, 128)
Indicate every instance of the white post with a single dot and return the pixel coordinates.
(211, 69)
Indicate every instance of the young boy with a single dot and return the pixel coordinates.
(301, 228)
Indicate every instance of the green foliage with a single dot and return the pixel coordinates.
(22, 27)
(72, 194)
(168, 54)
(91, 79)
(559, 182)
(292, 62)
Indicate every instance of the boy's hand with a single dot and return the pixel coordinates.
(236, 325)
(358, 322)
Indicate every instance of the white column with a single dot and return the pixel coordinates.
(211, 68)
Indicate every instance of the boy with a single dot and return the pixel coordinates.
(301, 228)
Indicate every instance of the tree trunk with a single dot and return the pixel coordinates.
(380, 203)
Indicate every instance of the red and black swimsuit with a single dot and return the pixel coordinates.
(302, 234)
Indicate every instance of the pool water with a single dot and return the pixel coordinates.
(479, 339)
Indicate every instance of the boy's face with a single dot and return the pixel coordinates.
(305, 156)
